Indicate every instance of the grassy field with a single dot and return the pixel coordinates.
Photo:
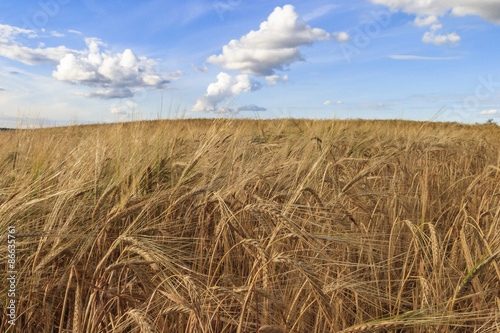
(253, 226)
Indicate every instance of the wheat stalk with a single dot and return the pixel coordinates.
(474, 272)
(375, 327)
(434, 247)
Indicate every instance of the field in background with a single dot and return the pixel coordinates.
(253, 226)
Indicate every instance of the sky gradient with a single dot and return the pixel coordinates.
(77, 62)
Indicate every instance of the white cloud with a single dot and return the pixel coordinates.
(342, 37)
(116, 74)
(9, 33)
(487, 9)
(274, 46)
(75, 32)
(38, 56)
(225, 87)
(489, 112)
(274, 79)
(10, 48)
(415, 57)
(329, 102)
(449, 40)
(73, 70)
(427, 12)
(431, 37)
(422, 21)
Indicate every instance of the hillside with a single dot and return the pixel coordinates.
(253, 226)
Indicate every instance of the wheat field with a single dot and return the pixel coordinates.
(253, 226)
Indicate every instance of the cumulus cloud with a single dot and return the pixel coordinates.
(487, 9)
(274, 46)
(251, 107)
(428, 11)
(225, 87)
(329, 102)
(116, 74)
(432, 37)
(275, 79)
(449, 40)
(489, 112)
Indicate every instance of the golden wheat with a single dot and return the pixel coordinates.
(222, 225)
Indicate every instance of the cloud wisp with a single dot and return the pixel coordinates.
(415, 57)
(251, 107)
(330, 102)
(319, 12)
(422, 21)
(10, 47)
(492, 112)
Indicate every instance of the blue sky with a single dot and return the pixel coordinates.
(66, 61)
